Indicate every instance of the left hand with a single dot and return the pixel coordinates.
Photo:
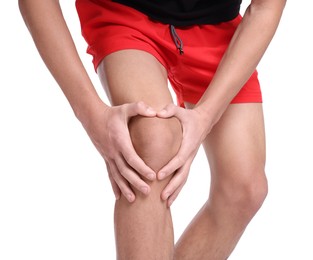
(195, 126)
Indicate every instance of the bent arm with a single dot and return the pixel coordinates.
(53, 40)
(246, 49)
(244, 52)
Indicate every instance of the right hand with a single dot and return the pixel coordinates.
(107, 127)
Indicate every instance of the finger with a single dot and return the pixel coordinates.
(132, 177)
(179, 179)
(116, 189)
(140, 108)
(169, 111)
(172, 187)
(122, 183)
(173, 197)
(175, 185)
(174, 164)
(177, 162)
(135, 162)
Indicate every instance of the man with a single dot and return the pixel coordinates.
(209, 53)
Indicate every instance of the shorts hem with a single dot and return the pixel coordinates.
(99, 58)
(256, 98)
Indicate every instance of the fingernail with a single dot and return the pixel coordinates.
(150, 110)
(145, 190)
(130, 197)
(162, 111)
(151, 176)
(161, 175)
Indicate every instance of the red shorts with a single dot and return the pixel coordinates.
(108, 27)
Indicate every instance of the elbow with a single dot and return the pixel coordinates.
(271, 8)
(280, 4)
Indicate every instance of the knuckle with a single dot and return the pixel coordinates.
(117, 137)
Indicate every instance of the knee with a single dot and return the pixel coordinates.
(155, 140)
(247, 193)
(254, 193)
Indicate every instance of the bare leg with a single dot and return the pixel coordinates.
(144, 228)
(236, 152)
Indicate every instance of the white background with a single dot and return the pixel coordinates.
(55, 197)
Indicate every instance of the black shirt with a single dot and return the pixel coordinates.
(186, 12)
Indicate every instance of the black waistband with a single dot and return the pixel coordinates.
(177, 13)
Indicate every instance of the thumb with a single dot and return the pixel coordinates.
(140, 108)
(169, 111)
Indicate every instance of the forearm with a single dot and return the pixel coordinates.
(107, 128)
(48, 28)
(246, 48)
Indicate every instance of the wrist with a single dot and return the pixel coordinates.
(86, 109)
(209, 113)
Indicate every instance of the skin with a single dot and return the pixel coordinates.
(140, 170)
(241, 58)
(70, 74)
(147, 221)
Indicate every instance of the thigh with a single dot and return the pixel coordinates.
(133, 75)
(236, 146)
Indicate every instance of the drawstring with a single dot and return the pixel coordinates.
(177, 40)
